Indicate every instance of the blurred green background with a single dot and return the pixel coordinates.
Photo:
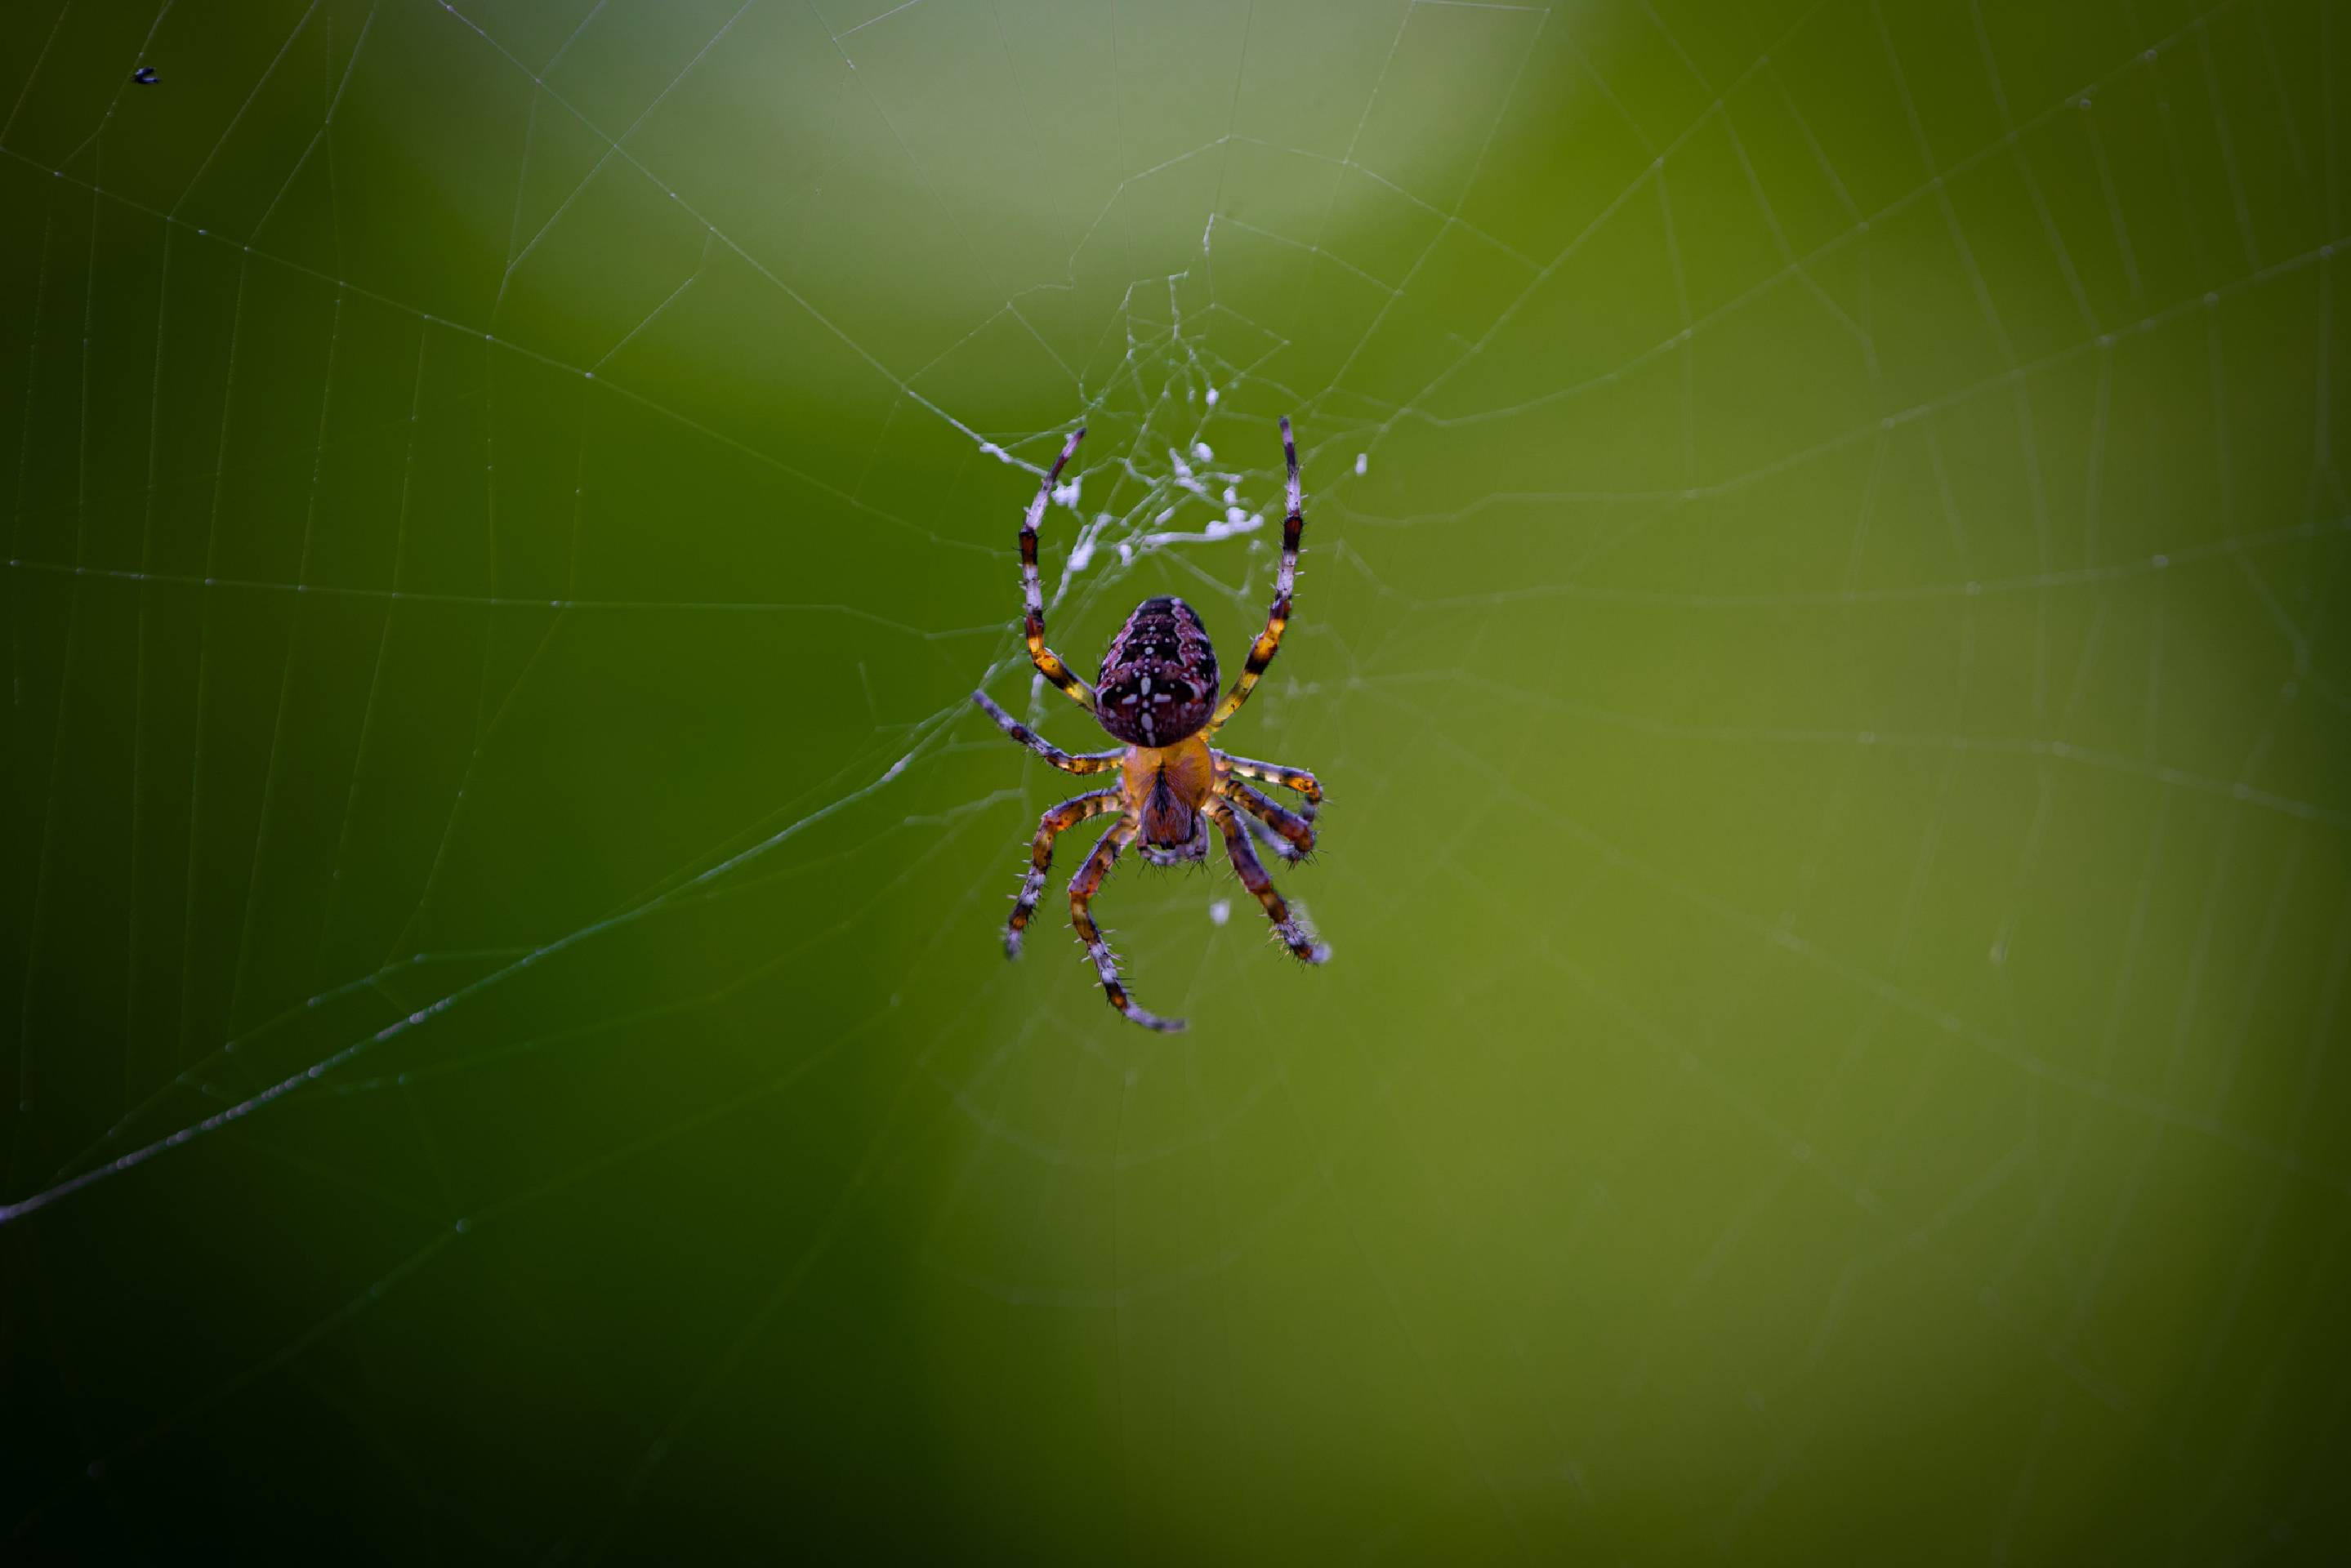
(1822, 627)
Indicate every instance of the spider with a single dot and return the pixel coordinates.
(1158, 680)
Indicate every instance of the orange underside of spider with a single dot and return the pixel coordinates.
(1156, 681)
(1165, 785)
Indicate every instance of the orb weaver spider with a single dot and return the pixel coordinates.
(1153, 693)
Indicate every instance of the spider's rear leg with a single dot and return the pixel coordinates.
(1054, 823)
(1081, 891)
(1252, 873)
(1285, 581)
(1032, 591)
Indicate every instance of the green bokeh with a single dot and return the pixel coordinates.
(1829, 667)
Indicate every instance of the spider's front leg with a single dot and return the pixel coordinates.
(1082, 892)
(1252, 873)
(1286, 833)
(1054, 823)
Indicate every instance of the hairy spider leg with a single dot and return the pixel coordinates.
(1048, 663)
(1285, 577)
(1252, 873)
(1051, 826)
(1081, 891)
(1282, 774)
(1284, 832)
(1083, 762)
(1270, 841)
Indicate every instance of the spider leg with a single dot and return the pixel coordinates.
(1269, 642)
(1288, 778)
(1286, 833)
(1048, 663)
(1054, 823)
(1252, 871)
(1084, 762)
(1269, 841)
(1081, 891)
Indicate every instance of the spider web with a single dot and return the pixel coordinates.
(1825, 546)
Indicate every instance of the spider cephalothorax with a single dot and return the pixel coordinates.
(1155, 687)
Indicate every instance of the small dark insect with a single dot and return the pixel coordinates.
(144, 76)
(1158, 681)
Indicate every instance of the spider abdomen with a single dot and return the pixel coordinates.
(1158, 682)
